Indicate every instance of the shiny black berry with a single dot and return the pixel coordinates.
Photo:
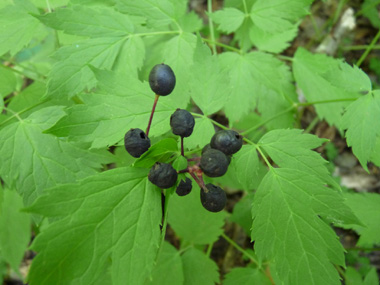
(162, 79)
(184, 187)
(227, 141)
(182, 123)
(208, 146)
(213, 199)
(136, 142)
(163, 175)
(214, 163)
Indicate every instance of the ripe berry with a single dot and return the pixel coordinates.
(206, 147)
(182, 123)
(214, 163)
(184, 187)
(214, 200)
(162, 79)
(227, 141)
(136, 142)
(163, 175)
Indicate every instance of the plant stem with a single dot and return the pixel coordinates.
(209, 249)
(165, 222)
(151, 114)
(182, 150)
(222, 45)
(326, 101)
(194, 159)
(369, 48)
(244, 252)
(211, 26)
(360, 47)
(311, 125)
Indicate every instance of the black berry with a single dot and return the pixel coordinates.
(214, 199)
(163, 175)
(208, 146)
(214, 163)
(227, 141)
(162, 79)
(182, 123)
(184, 187)
(136, 142)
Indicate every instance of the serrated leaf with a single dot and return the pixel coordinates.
(15, 228)
(371, 278)
(323, 78)
(210, 86)
(198, 268)
(246, 165)
(293, 149)
(287, 226)
(203, 131)
(366, 207)
(72, 74)
(33, 161)
(199, 227)
(169, 268)
(242, 213)
(247, 275)
(122, 103)
(18, 27)
(8, 82)
(89, 21)
(160, 151)
(229, 19)
(361, 131)
(157, 12)
(109, 220)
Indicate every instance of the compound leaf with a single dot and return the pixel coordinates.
(122, 102)
(366, 207)
(203, 131)
(14, 229)
(198, 268)
(361, 131)
(287, 224)
(109, 220)
(246, 165)
(229, 19)
(160, 151)
(323, 78)
(33, 161)
(202, 226)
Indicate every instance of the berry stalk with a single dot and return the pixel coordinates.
(151, 114)
(182, 150)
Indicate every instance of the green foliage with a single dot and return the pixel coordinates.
(73, 81)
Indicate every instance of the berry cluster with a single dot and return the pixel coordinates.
(215, 158)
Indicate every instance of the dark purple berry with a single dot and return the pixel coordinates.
(136, 142)
(227, 141)
(182, 123)
(184, 187)
(163, 175)
(213, 199)
(214, 163)
(162, 79)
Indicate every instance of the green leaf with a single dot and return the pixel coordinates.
(369, 9)
(33, 161)
(242, 213)
(199, 227)
(210, 86)
(89, 21)
(371, 278)
(246, 165)
(169, 268)
(15, 229)
(180, 163)
(293, 149)
(109, 220)
(361, 131)
(198, 268)
(203, 131)
(18, 27)
(323, 78)
(276, 19)
(122, 103)
(8, 82)
(160, 151)
(286, 226)
(247, 275)
(352, 276)
(366, 207)
(71, 74)
(157, 12)
(229, 19)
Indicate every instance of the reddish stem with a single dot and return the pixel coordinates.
(194, 159)
(182, 150)
(151, 114)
